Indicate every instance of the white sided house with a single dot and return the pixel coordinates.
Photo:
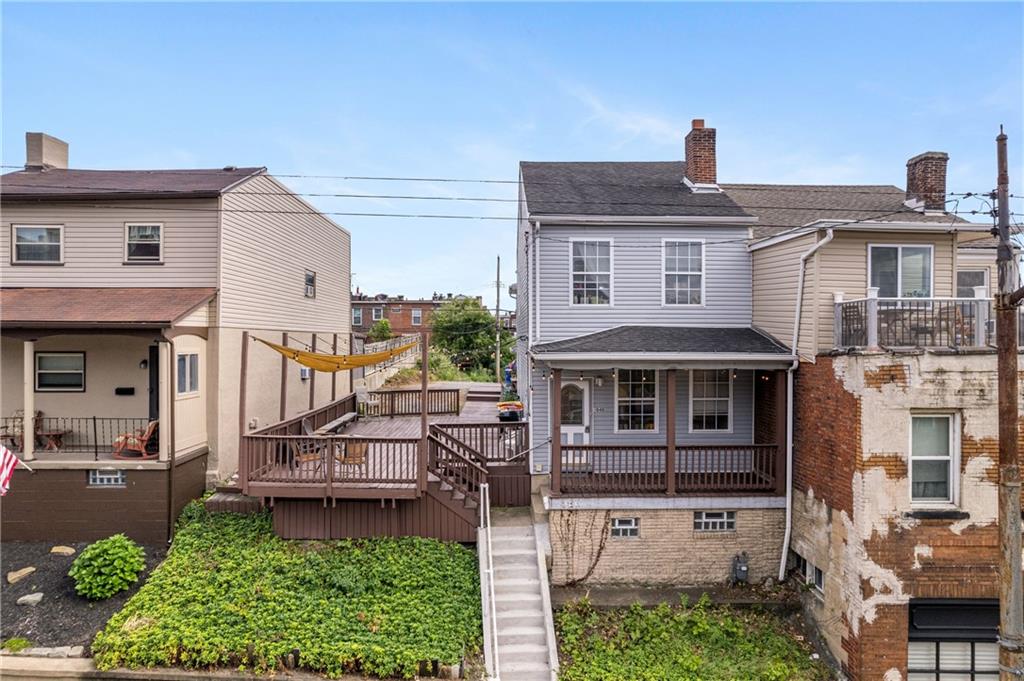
(658, 412)
(124, 299)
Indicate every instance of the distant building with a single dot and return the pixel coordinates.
(406, 315)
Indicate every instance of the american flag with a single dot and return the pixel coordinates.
(8, 462)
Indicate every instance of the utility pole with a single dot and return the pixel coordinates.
(1011, 589)
(497, 323)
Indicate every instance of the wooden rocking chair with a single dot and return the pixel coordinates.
(135, 445)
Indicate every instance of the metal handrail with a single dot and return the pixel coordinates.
(494, 664)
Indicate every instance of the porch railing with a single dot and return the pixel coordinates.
(643, 469)
(874, 322)
(79, 434)
(494, 442)
(406, 402)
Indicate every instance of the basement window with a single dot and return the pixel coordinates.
(941, 660)
(107, 477)
(714, 521)
(625, 528)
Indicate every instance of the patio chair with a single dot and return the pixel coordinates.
(13, 432)
(136, 445)
(306, 451)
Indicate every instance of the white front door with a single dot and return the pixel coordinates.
(575, 412)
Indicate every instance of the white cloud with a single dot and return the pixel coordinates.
(628, 125)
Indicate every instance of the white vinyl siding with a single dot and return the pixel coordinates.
(38, 244)
(94, 243)
(143, 242)
(636, 281)
(683, 272)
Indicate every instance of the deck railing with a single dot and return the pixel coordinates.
(94, 435)
(456, 467)
(494, 442)
(406, 402)
(875, 322)
(643, 469)
(317, 418)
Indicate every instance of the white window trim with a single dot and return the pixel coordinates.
(357, 311)
(377, 314)
(46, 353)
(657, 404)
(689, 414)
(107, 477)
(986, 277)
(725, 518)
(142, 261)
(703, 272)
(611, 271)
(199, 369)
(954, 461)
(14, 245)
(899, 268)
(416, 315)
(634, 526)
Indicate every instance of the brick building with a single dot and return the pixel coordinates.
(406, 315)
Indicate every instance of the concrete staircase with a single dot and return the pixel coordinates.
(523, 605)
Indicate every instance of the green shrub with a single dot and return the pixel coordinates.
(232, 594)
(15, 644)
(684, 643)
(107, 567)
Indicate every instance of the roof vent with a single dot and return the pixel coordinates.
(230, 169)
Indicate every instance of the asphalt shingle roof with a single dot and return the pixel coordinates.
(632, 339)
(618, 188)
(59, 183)
(29, 307)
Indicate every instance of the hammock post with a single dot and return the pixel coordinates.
(312, 378)
(243, 457)
(284, 378)
(422, 473)
(334, 374)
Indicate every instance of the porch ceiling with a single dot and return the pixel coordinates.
(98, 307)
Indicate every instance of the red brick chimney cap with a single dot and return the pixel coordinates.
(698, 123)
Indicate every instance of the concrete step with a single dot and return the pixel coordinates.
(520, 618)
(528, 544)
(520, 559)
(522, 635)
(513, 532)
(517, 601)
(507, 586)
(513, 666)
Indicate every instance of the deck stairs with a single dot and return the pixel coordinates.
(485, 392)
(522, 601)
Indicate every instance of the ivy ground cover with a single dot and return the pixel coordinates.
(231, 593)
(690, 643)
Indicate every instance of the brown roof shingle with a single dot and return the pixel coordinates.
(120, 184)
(98, 307)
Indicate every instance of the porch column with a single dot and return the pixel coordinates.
(165, 393)
(871, 307)
(670, 431)
(781, 422)
(556, 431)
(28, 402)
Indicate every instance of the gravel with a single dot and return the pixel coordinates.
(63, 618)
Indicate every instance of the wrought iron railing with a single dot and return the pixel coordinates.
(96, 435)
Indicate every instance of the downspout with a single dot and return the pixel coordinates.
(829, 235)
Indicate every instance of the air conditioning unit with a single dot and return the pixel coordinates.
(305, 373)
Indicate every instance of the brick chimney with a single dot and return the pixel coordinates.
(701, 166)
(43, 152)
(926, 179)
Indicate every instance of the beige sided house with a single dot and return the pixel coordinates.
(124, 299)
(892, 522)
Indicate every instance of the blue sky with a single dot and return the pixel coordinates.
(823, 93)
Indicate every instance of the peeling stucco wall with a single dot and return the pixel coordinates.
(881, 553)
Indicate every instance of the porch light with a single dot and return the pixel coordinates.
(599, 381)
(144, 364)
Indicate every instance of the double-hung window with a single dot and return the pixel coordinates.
(188, 373)
(310, 283)
(710, 400)
(417, 316)
(38, 244)
(933, 456)
(60, 372)
(378, 314)
(591, 272)
(143, 242)
(901, 271)
(967, 280)
(683, 280)
(357, 316)
(636, 399)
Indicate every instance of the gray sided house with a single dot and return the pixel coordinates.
(663, 455)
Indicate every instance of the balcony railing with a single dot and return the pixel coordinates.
(874, 322)
(643, 469)
(77, 434)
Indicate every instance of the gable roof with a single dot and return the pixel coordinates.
(780, 207)
(70, 184)
(98, 307)
(667, 339)
(618, 188)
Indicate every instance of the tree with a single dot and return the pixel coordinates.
(380, 331)
(465, 330)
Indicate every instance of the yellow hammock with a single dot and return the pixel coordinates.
(332, 363)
